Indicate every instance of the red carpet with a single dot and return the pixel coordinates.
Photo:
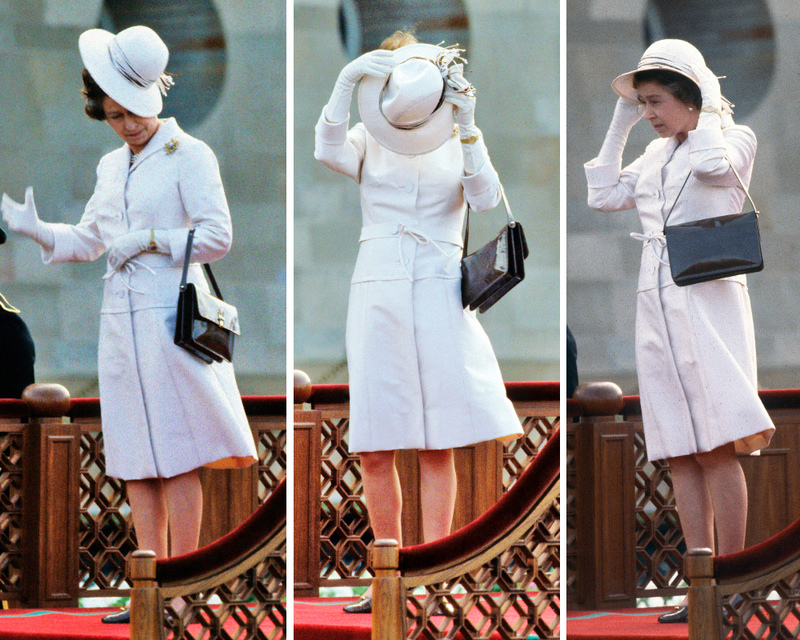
(323, 619)
(63, 624)
(623, 624)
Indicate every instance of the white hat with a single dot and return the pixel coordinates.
(406, 111)
(128, 66)
(669, 55)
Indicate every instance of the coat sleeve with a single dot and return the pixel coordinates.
(203, 199)
(482, 189)
(78, 242)
(611, 189)
(713, 150)
(340, 148)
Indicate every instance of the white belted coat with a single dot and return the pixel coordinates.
(423, 374)
(164, 411)
(695, 345)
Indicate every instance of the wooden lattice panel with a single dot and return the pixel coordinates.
(106, 530)
(249, 607)
(271, 446)
(515, 595)
(568, 495)
(11, 444)
(659, 539)
(519, 453)
(763, 614)
(344, 525)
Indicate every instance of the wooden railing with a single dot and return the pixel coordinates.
(65, 528)
(333, 540)
(623, 534)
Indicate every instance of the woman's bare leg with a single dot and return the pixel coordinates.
(693, 502)
(184, 498)
(728, 492)
(149, 513)
(382, 494)
(437, 473)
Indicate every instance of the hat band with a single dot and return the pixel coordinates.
(124, 68)
(666, 63)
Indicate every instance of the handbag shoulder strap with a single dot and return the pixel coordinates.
(207, 267)
(509, 216)
(741, 184)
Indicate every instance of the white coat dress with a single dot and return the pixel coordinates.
(423, 374)
(695, 345)
(164, 411)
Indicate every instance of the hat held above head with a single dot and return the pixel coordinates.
(673, 55)
(406, 112)
(128, 67)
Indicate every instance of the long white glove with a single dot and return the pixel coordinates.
(22, 218)
(378, 63)
(461, 94)
(709, 88)
(626, 115)
(132, 244)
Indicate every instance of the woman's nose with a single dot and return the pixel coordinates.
(648, 112)
(130, 124)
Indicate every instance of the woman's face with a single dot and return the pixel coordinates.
(667, 115)
(133, 129)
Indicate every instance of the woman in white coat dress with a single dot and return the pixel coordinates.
(165, 413)
(695, 345)
(422, 371)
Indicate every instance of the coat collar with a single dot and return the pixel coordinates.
(166, 139)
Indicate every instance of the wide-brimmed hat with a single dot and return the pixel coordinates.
(406, 112)
(669, 55)
(128, 66)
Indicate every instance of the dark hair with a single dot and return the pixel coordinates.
(678, 85)
(94, 97)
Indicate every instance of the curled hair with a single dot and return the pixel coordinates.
(94, 97)
(678, 85)
(399, 39)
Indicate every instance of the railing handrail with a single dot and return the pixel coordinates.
(536, 391)
(497, 526)
(90, 407)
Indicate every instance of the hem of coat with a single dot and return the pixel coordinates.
(228, 462)
(507, 437)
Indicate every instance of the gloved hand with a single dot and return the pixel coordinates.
(132, 244)
(461, 94)
(378, 63)
(709, 88)
(22, 218)
(626, 115)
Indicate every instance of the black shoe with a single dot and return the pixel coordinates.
(362, 606)
(679, 614)
(120, 617)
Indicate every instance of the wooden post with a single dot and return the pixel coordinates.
(704, 608)
(146, 601)
(604, 501)
(388, 594)
(52, 500)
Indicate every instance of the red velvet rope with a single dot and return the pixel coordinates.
(769, 553)
(230, 548)
(509, 510)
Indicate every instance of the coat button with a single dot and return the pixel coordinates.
(409, 187)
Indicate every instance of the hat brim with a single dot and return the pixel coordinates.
(623, 84)
(429, 137)
(93, 45)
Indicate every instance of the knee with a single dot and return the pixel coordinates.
(377, 462)
(720, 457)
(436, 459)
